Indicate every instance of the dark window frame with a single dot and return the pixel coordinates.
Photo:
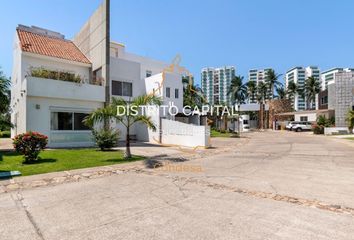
(120, 88)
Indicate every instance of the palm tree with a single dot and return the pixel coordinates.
(262, 94)
(120, 111)
(251, 90)
(238, 93)
(312, 88)
(350, 120)
(281, 93)
(272, 81)
(192, 94)
(293, 90)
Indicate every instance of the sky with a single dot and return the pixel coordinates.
(242, 33)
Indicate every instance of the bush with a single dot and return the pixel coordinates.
(5, 134)
(318, 129)
(49, 74)
(105, 138)
(30, 144)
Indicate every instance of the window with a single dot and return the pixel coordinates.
(120, 88)
(78, 124)
(176, 93)
(61, 121)
(245, 122)
(148, 73)
(303, 118)
(97, 74)
(67, 121)
(168, 92)
(324, 100)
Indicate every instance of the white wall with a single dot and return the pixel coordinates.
(41, 87)
(311, 117)
(36, 61)
(39, 119)
(160, 83)
(177, 133)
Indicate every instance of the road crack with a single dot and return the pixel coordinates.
(19, 201)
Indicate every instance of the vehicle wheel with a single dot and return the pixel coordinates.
(298, 129)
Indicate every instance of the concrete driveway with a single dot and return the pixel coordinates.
(269, 185)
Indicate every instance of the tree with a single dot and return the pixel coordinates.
(262, 95)
(5, 83)
(350, 120)
(281, 93)
(312, 88)
(120, 111)
(272, 81)
(238, 93)
(251, 90)
(192, 94)
(292, 90)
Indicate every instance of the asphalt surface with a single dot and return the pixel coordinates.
(238, 190)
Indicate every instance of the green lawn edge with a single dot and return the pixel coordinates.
(56, 160)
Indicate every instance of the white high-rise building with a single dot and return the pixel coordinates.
(216, 83)
(258, 75)
(329, 75)
(299, 75)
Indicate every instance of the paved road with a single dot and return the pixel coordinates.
(265, 186)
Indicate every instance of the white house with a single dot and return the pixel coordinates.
(56, 84)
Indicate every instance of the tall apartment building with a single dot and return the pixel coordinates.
(216, 83)
(299, 76)
(258, 75)
(329, 75)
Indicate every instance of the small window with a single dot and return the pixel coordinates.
(68, 121)
(122, 88)
(245, 122)
(97, 74)
(176, 93)
(78, 121)
(127, 89)
(61, 121)
(168, 92)
(117, 88)
(148, 73)
(303, 119)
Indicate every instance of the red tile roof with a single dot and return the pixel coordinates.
(50, 46)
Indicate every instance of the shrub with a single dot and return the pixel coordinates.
(5, 134)
(317, 129)
(222, 131)
(56, 75)
(30, 144)
(106, 138)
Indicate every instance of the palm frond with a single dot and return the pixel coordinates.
(146, 120)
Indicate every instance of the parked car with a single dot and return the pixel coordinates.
(290, 125)
(301, 126)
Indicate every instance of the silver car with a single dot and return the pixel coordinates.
(301, 126)
(290, 125)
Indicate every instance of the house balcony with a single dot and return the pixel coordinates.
(50, 88)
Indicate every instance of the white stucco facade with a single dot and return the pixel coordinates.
(56, 107)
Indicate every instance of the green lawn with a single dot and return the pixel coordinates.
(350, 138)
(215, 133)
(62, 159)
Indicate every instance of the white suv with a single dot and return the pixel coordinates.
(301, 126)
(290, 125)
